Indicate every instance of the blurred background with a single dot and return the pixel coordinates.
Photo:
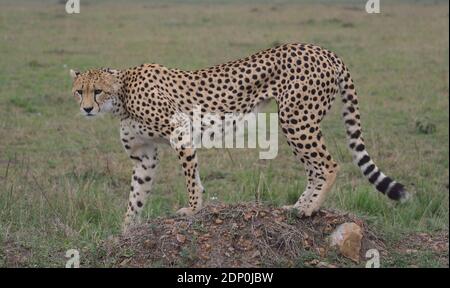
(64, 180)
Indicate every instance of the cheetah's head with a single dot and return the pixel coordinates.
(95, 90)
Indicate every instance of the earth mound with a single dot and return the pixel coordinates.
(239, 235)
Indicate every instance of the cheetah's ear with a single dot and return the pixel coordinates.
(74, 74)
(111, 71)
(113, 82)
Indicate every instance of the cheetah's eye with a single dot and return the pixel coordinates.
(97, 91)
(80, 92)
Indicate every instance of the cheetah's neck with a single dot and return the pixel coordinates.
(117, 101)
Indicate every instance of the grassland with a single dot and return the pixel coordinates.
(64, 180)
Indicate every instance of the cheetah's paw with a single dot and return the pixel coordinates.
(303, 209)
(308, 209)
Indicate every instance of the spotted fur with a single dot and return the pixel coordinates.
(303, 79)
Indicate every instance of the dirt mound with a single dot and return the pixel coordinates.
(241, 235)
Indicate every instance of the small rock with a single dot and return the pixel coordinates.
(206, 246)
(347, 237)
(205, 236)
(181, 238)
(248, 216)
(325, 265)
(322, 252)
(313, 262)
(219, 221)
(169, 221)
(279, 219)
(125, 262)
(256, 254)
(306, 244)
(411, 251)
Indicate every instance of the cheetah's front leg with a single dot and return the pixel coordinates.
(188, 159)
(145, 160)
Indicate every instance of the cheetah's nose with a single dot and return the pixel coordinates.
(88, 109)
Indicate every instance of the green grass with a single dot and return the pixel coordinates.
(419, 259)
(64, 180)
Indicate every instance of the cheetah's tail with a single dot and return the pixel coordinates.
(384, 184)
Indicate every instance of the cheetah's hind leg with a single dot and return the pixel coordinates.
(321, 168)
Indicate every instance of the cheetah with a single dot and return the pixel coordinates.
(303, 79)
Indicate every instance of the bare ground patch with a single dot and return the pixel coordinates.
(412, 247)
(14, 254)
